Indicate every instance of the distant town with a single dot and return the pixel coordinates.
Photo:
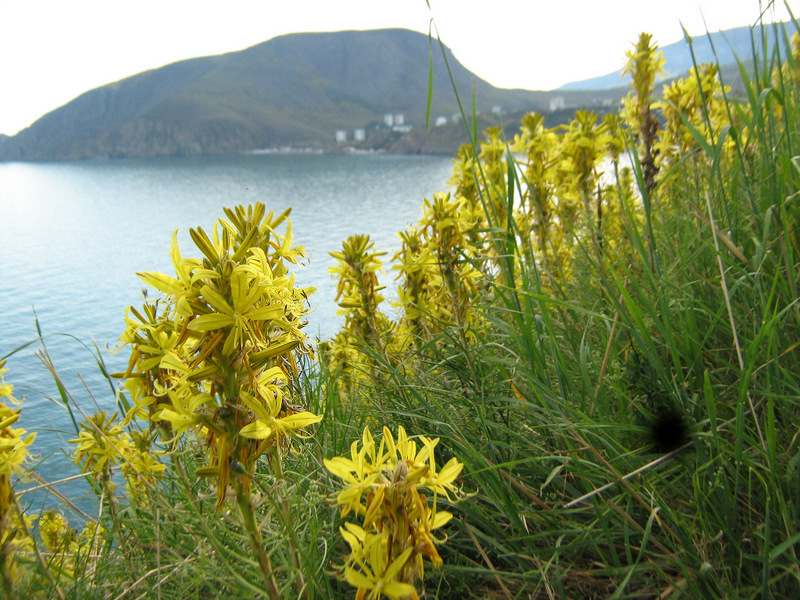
(396, 122)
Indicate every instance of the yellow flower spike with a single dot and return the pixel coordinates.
(395, 510)
(216, 357)
(55, 532)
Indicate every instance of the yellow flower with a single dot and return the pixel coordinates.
(373, 574)
(102, 445)
(357, 472)
(245, 308)
(269, 423)
(14, 443)
(387, 553)
(55, 531)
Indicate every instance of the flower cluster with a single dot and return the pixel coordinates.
(359, 296)
(358, 291)
(439, 280)
(697, 100)
(644, 64)
(14, 444)
(217, 354)
(384, 486)
(68, 551)
(103, 444)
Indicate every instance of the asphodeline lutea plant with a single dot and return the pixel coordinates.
(219, 354)
(697, 100)
(616, 191)
(584, 146)
(644, 64)
(69, 552)
(535, 215)
(103, 444)
(436, 265)
(358, 293)
(466, 174)
(385, 488)
(492, 175)
(15, 541)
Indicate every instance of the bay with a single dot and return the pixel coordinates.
(74, 234)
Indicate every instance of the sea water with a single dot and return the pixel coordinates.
(74, 234)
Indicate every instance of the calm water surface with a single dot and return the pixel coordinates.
(74, 235)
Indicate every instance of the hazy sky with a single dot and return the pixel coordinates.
(53, 50)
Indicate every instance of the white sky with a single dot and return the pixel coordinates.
(53, 50)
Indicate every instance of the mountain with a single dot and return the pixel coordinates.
(730, 45)
(295, 91)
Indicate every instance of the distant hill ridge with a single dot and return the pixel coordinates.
(729, 45)
(294, 91)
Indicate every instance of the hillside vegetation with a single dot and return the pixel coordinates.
(294, 90)
(591, 390)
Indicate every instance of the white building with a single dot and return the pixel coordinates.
(388, 120)
(341, 136)
(557, 103)
(441, 121)
(359, 135)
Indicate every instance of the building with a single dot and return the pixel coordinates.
(341, 136)
(557, 103)
(359, 134)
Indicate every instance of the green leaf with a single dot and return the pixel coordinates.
(778, 550)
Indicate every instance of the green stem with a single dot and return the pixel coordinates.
(6, 559)
(5, 575)
(244, 500)
(277, 469)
